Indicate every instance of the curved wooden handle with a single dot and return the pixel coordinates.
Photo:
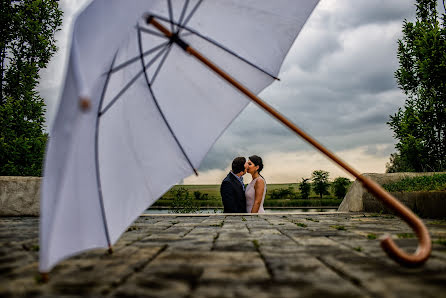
(424, 242)
(425, 246)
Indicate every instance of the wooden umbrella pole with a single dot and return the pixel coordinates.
(424, 246)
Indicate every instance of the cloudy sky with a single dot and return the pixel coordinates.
(337, 83)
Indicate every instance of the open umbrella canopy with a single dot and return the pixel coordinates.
(149, 112)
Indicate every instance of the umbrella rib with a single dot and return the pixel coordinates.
(112, 102)
(186, 34)
(96, 151)
(151, 32)
(189, 16)
(160, 110)
(169, 5)
(148, 52)
(161, 63)
(183, 12)
(219, 46)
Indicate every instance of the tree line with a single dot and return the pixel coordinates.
(319, 183)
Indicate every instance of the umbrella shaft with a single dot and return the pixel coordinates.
(424, 248)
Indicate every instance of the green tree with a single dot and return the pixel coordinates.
(340, 186)
(26, 45)
(320, 182)
(420, 127)
(304, 188)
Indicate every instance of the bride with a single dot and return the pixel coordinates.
(256, 189)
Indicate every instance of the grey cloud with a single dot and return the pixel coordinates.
(344, 14)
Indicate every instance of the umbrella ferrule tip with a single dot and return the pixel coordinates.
(149, 18)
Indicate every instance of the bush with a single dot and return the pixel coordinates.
(303, 203)
(182, 203)
(282, 193)
(436, 182)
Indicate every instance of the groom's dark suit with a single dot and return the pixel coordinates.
(233, 195)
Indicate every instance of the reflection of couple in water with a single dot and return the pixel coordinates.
(238, 199)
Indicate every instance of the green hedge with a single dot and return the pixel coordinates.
(436, 182)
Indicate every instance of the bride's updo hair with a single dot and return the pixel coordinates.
(257, 161)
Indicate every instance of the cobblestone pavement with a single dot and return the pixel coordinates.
(275, 255)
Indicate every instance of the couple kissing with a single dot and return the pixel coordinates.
(235, 196)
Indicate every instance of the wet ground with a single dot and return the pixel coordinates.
(216, 255)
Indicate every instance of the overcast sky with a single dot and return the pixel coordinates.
(337, 83)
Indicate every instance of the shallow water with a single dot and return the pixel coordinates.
(267, 210)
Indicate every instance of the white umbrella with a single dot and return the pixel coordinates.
(139, 113)
(147, 128)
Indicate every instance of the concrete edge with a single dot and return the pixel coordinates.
(242, 214)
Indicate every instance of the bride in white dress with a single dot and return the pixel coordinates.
(256, 189)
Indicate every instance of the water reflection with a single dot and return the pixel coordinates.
(267, 210)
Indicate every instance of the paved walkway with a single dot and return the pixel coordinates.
(276, 255)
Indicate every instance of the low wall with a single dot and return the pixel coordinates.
(19, 196)
(429, 204)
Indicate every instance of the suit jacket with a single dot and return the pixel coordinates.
(232, 195)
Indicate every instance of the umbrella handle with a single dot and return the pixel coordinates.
(424, 243)
(393, 251)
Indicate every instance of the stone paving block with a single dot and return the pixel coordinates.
(280, 248)
(235, 272)
(163, 237)
(226, 234)
(265, 232)
(150, 286)
(191, 245)
(233, 245)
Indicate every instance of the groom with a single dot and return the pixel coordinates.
(232, 189)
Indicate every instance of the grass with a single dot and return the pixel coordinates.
(436, 182)
(339, 228)
(358, 248)
(302, 225)
(371, 236)
(212, 198)
(312, 219)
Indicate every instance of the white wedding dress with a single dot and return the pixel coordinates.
(250, 196)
